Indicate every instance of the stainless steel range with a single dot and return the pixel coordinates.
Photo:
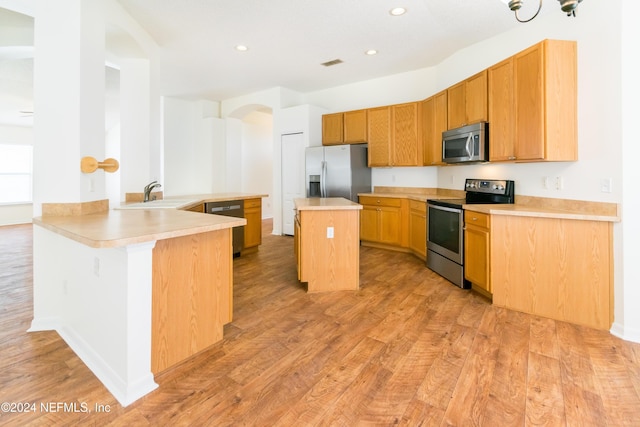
(445, 235)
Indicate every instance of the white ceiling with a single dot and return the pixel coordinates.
(287, 40)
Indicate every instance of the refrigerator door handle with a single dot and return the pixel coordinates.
(323, 179)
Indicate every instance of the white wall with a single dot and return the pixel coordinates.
(257, 157)
(16, 213)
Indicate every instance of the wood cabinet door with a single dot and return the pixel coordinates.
(253, 229)
(369, 223)
(390, 225)
(476, 98)
(406, 150)
(355, 126)
(379, 131)
(418, 231)
(332, 129)
(456, 114)
(476, 256)
(440, 125)
(529, 102)
(501, 111)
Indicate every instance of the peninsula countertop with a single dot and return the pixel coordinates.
(325, 204)
(539, 212)
(116, 228)
(189, 200)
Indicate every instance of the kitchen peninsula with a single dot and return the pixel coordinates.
(133, 292)
(327, 243)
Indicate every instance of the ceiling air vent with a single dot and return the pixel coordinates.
(333, 62)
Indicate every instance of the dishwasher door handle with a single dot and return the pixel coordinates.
(226, 208)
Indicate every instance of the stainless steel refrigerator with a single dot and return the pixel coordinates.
(337, 171)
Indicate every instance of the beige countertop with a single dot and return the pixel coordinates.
(189, 200)
(520, 210)
(325, 204)
(117, 228)
(411, 196)
(572, 211)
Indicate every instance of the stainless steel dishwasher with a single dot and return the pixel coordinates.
(234, 208)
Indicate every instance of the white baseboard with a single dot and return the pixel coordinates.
(626, 334)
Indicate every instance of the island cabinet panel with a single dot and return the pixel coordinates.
(327, 247)
(551, 267)
(191, 295)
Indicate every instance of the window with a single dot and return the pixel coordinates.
(15, 173)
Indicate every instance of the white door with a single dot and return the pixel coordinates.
(292, 177)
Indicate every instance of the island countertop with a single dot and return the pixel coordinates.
(325, 204)
(116, 228)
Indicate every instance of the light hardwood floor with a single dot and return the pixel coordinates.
(408, 348)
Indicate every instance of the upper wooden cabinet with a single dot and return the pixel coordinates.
(332, 128)
(502, 124)
(533, 104)
(379, 130)
(355, 127)
(344, 128)
(433, 116)
(467, 101)
(394, 135)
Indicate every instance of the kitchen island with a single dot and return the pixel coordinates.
(327, 243)
(133, 292)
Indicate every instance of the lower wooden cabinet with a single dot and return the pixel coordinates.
(381, 220)
(477, 251)
(418, 228)
(554, 267)
(253, 229)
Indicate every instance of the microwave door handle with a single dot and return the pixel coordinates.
(469, 145)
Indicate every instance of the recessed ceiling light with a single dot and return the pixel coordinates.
(371, 52)
(397, 11)
(242, 48)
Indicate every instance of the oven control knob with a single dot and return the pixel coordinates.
(498, 187)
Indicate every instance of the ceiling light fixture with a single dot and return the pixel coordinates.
(567, 6)
(371, 52)
(242, 48)
(397, 11)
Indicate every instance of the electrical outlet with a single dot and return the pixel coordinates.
(96, 266)
(546, 182)
(329, 232)
(559, 183)
(606, 185)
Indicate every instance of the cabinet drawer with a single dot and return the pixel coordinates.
(476, 218)
(380, 201)
(418, 206)
(252, 203)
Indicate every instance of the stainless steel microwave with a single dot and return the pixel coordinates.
(466, 144)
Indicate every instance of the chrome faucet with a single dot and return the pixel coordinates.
(148, 188)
